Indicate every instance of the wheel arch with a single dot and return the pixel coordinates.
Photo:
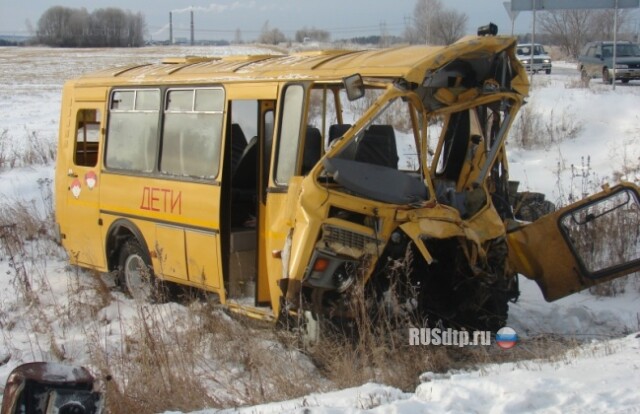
(119, 232)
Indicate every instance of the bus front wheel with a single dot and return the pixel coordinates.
(136, 273)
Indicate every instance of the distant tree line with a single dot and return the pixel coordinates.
(4, 42)
(110, 27)
(431, 23)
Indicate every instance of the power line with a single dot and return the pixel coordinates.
(374, 28)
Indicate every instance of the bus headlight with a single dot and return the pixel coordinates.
(329, 271)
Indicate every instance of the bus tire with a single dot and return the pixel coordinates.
(136, 276)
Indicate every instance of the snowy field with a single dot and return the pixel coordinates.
(596, 138)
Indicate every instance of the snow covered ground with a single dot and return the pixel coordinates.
(602, 375)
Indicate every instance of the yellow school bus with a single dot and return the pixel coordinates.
(283, 184)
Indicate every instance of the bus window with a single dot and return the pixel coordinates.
(289, 134)
(322, 110)
(192, 132)
(87, 138)
(268, 119)
(133, 130)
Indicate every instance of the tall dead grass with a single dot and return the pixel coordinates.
(34, 150)
(533, 129)
(613, 236)
(380, 351)
(187, 358)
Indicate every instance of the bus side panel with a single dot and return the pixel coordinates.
(178, 219)
(203, 261)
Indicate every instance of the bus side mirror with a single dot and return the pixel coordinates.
(354, 85)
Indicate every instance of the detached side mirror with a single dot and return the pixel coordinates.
(48, 387)
(354, 85)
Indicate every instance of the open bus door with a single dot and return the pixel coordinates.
(248, 150)
(267, 121)
(280, 196)
(584, 244)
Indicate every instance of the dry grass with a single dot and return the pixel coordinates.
(614, 236)
(190, 357)
(533, 129)
(578, 83)
(388, 358)
(34, 150)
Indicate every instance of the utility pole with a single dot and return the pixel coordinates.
(615, 45)
(533, 41)
(192, 37)
(383, 34)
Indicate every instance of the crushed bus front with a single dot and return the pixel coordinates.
(409, 207)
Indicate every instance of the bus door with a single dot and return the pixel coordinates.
(592, 241)
(283, 186)
(82, 237)
(267, 122)
(248, 135)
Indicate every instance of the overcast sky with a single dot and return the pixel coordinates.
(220, 19)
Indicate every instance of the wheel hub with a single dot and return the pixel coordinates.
(137, 277)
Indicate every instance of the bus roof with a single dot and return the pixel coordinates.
(407, 62)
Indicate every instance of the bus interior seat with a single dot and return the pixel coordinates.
(312, 149)
(456, 143)
(378, 146)
(338, 130)
(245, 174)
(238, 144)
(244, 185)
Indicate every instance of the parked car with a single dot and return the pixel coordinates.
(596, 60)
(541, 60)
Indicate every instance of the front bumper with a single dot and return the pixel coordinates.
(538, 67)
(630, 74)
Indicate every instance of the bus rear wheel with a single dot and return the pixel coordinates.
(136, 274)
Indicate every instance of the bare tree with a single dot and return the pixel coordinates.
(271, 36)
(432, 23)
(602, 23)
(571, 29)
(52, 26)
(61, 26)
(449, 26)
(78, 27)
(136, 28)
(418, 29)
